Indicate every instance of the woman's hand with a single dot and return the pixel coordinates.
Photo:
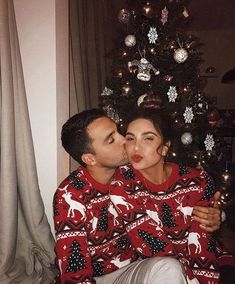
(208, 217)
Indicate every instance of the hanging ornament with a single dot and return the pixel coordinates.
(172, 94)
(210, 70)
(226, 177)
(209, 142)
(123, 53)
(188, 115)
(148, 10)
(140, 99)
(124, 16)
(186, 138)
(213, 118)
(201, 105)
(152, 50)
(180, 55)
(151, 101)
(168, 78)
(111, 113)
(130, 40)
(185, 90)
(126, 89)
(185, 13)
(164, 16)
(152, 35)
(144, 68)
(106, 92)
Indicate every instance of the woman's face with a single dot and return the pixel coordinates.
(144, 144)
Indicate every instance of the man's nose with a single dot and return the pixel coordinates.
(122, 139)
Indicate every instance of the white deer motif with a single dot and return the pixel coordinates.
(154, 215)
(193, 239)
(113, 211)
(186, 210)
(94, 222)
(120, 200)
(116, 261)
(73, 204)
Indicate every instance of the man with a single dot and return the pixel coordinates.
(91, 243)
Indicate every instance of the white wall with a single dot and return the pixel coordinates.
(43, 37)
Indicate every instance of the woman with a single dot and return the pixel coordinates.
(157, 205)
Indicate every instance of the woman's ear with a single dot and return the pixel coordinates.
(165, 148)
(88, 159)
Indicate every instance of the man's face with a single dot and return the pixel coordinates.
(107, 143)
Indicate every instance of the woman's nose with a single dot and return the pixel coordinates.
(137, 145)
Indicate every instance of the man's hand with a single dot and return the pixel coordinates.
(208, 217)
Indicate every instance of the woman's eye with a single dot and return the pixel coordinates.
(149, 138)
(128, 138)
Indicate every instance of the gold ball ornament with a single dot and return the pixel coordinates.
(148, 10)
(152, 101)
(126, 89)
(226, 177)
(124, 16)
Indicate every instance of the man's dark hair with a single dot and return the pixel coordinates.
(74, 136)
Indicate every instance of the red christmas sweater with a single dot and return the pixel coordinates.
(90, 236)
(159, 222)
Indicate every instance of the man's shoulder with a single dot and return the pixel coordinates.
(75, 180)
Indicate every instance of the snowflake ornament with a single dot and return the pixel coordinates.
(152, 35)
(172, 94)
(164, 16)
(106, 92)
(209, 142)
(188, 115)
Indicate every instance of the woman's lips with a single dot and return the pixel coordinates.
(136, 158)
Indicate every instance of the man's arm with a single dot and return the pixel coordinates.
(71, 247)
(208, 217)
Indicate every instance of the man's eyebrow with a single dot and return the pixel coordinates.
(108, 136)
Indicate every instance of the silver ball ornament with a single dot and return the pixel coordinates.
(180, 55)
(130, 40)
(186, 138)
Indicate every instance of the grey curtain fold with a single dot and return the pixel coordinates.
(26, 242)
(88, 46)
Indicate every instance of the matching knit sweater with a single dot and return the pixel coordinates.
(158, 219)
(90, 236)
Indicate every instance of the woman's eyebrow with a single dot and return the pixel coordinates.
(150, 132)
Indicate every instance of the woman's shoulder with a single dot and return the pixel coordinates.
(184, 171)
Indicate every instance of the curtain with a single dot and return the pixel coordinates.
(90, 40)
(88, 46)
(26, 242)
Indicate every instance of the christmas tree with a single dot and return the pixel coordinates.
(156, 245)
(167, 216)
(103, 220)
(156, 62)
(76, 259)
